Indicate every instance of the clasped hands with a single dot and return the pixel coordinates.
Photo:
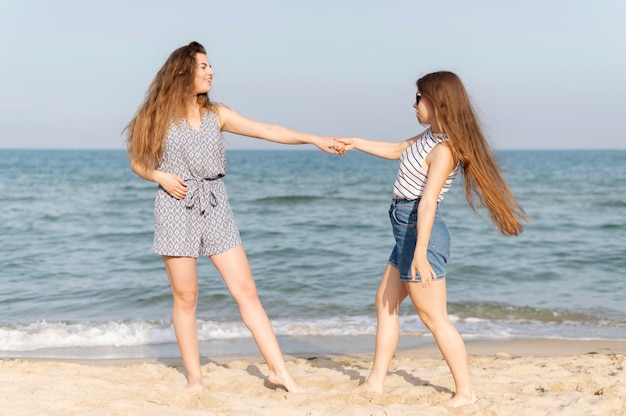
(337, 145)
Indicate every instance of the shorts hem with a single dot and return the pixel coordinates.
(223, 250)
(195, 256)
(417, 279)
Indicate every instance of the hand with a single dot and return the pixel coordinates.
(174, 185)
(344, 144)
(329, 145)
(422, 266)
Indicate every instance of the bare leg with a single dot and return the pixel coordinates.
(183, 277)
(431, 305)
(235, 270)
(391, 292)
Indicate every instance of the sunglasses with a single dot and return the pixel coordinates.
(418, 97)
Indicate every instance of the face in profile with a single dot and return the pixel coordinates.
(203, 75)
(424, 111)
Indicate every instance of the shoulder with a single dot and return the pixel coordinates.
(435, 138)
(441, 156)
(430, 139)
(436, 142)
(441, 149)
(223, 114)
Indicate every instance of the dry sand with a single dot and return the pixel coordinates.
(532, 377)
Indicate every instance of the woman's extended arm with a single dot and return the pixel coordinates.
(385, 150)
(232, 122)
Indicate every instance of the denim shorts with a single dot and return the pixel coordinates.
(403, 216)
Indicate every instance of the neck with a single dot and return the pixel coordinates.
(193, 108)
(435, 129)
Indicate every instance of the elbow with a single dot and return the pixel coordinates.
(133, 165)
(427, 205)
(137, 167)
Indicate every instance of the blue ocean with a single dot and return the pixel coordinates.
(78, 278)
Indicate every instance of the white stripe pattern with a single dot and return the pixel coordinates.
(412, 176)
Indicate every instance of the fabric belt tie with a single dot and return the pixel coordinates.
(200, 193)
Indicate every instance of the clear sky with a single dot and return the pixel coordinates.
(543, 74)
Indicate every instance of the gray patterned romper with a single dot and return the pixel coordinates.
(202, 223)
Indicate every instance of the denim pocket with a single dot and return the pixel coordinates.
(404, 216)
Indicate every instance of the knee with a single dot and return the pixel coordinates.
(433, 321)
(186, 300)
(245, 292)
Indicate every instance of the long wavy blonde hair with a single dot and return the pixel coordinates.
(457, 119)
(166, 102)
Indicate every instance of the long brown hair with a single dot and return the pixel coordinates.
(457, 119)
(166, 102)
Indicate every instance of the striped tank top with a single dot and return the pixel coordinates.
(412, 176)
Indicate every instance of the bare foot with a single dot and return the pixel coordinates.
(194, 385)
(283, 381)
(458, 400)
(367, 388)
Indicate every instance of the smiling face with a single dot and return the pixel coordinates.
(203, 75)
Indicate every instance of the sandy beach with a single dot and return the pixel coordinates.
(529, 377)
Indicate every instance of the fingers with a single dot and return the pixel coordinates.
(329, 145)
(180, 188)
(179, 192)
(339, 146)
(175, 186)
(426, 275)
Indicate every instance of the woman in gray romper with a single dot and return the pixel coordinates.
(175, 140)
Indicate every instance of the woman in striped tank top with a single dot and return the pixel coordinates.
(429, 163)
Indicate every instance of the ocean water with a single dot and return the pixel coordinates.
(78, 277)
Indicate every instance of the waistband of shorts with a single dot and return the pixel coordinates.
(405, 201)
